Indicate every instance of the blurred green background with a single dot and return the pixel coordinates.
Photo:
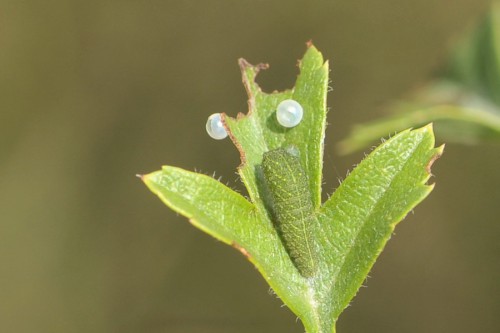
(94, 92)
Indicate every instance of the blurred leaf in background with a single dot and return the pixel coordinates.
(464, 101)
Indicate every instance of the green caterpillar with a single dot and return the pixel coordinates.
(292, 207)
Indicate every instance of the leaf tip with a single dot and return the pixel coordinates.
(312, 56)
(429, 128)
(311, 47)
(437, 153)
(150, 179)
(309, 43)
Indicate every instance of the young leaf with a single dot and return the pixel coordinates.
(314, 256)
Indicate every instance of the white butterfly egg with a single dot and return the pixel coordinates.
(289, 113)
(215, 128)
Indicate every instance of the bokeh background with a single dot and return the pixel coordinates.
(94, 92)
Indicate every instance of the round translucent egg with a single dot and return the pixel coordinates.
(289, 113)
(215, 128)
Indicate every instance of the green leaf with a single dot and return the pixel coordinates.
(359, 218)
(226, 215)
(464, 102)
(258, 132)
(314, 256)
(209, 204)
